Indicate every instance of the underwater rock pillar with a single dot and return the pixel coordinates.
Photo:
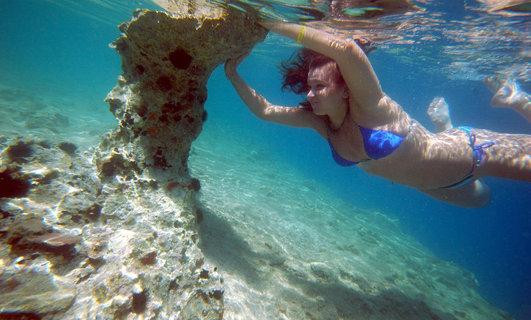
(159, 99)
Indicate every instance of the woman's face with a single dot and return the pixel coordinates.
(325, 94)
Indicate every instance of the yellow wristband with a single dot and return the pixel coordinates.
(301, 33)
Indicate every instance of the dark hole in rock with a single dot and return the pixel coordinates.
(164, 83)
(128, 120)
(205, 116)
(190, 96)
(173, 285)
(149, 259)
(139, 302)
(94, 212)
(193, 85)
(14, 240)
(11, 186)
(195, 184)
(113, 165)
(68, 147)
(180, 58)
(4, 214)
(19, 151)
(159, 161)
(140, 69)
(216, 294)
(19, 316)
(142, 111)
(108, 170)
(203, 274)
(163, 118)
(170, 107)
(196, 70)
(189, 119)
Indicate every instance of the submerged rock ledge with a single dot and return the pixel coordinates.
(113, 234)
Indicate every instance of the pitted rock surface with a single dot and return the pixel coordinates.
(160, 96)
(112, 233)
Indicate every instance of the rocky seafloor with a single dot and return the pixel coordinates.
(145, 225)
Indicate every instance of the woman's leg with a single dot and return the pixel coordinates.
(507, 94)
(509, 157)
(471, 195)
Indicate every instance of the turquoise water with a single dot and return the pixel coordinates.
(56, 68)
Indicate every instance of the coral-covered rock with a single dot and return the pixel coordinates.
(159, 99)
(119, 225)
(33, 290)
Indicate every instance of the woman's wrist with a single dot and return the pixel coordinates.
(266, 24)
(231, 73)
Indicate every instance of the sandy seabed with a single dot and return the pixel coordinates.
(286, 247)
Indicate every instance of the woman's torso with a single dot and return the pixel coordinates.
(422, 160)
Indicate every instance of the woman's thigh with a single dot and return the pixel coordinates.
(471, 195)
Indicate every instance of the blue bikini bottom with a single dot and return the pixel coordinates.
(478, 157)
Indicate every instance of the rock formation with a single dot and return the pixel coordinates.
(113, 234)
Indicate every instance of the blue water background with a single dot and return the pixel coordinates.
(54, 52)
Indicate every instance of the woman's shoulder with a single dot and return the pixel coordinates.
(385, 112)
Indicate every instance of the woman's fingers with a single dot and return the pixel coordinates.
(235, 61)
(232, 63)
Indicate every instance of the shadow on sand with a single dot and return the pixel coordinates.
(223, 246)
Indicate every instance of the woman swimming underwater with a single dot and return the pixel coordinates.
(365, 127)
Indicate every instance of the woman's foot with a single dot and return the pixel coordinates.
(439, 114)
(507, 94)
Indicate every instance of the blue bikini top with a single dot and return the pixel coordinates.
(377, 144)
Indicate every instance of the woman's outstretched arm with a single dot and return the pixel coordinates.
(353, 63)
(263, 109)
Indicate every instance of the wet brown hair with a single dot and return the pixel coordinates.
(295, 70)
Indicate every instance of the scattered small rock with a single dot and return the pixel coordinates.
(216, 294)
(204, 274)
(19, 151)
(68, 147)
(12, 185)
(149, 259)
(139, 302)
(54, 243)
